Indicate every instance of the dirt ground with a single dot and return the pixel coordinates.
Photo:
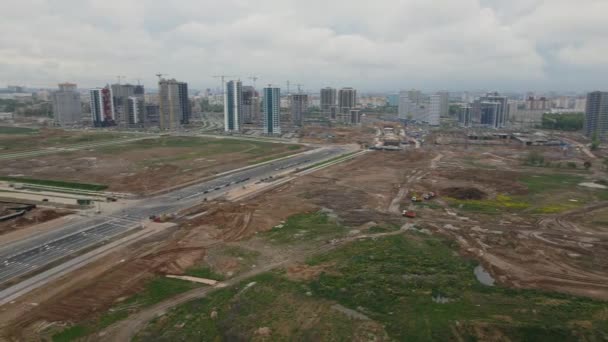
(32, 217)
(147, 166)
(354, 191)
(337, 135)
(564, 251)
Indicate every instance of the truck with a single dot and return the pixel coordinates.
(409, 214)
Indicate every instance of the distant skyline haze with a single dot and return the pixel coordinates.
(387, 45)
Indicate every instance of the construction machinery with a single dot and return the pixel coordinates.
(409, 214)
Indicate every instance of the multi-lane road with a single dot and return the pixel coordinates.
(25, 257)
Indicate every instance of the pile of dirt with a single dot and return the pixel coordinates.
(464, 193)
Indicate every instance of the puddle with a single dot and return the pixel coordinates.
(594, 185)
(441, 300)
(483, 276)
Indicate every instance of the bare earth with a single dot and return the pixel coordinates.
(564, 251)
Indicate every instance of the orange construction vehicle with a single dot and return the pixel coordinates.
(409, 214)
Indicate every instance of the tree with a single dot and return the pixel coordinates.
(587, 165)
(534, 159)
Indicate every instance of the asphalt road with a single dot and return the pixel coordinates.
(27, 256)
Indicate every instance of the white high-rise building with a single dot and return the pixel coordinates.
(434, 112)
(67, 109)
(272, 110)
(444, 111)
(233, 106)
(136, 110)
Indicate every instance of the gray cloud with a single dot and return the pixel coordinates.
(382, 45)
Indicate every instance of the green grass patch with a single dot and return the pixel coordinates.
(428, 204)
(160, 289)
(548, 182)
(492, 206)
(70, 334)
(384, 229)
(59, 184)
(17, 130)
(557, 208)
(305, 227)
(392, 280)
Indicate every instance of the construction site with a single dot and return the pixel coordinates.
(444, 238)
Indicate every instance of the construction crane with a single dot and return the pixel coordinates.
(160, 76)
(254, 78)
(120, 78)
(299, 87)
(223, 79)
(138, 81)
(288, 89)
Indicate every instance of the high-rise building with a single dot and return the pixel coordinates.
(392, 100)
(355, 117)
(102, 107)
(434, 112)
(404, 109)
(580, 105)
(67, 109)
(533, 103)
(272, 110)
(347, 100)
(415, 96)
(152, 115)
(444, 103)
(299, 106)
(503, 109)
(485, 113)
(136, 110)
(233, 106)
(596, 115)
(490, 111)
(251, 105)
(464, 115)
(329, 98)
(184, 102)
(173, 103)
(333, 112)
(121, 94)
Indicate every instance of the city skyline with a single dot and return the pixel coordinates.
(489, 45)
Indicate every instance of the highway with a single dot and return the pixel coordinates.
(25, 257)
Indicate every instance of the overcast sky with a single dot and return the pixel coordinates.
(380, 45)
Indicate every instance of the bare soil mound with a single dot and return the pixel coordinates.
(464, 193)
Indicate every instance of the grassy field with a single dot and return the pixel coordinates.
(305, 228)
(547, 194)
(17, 130)
(45, 139)
(410, 287)
(203, 148)
(549, 182)
(54, 183)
